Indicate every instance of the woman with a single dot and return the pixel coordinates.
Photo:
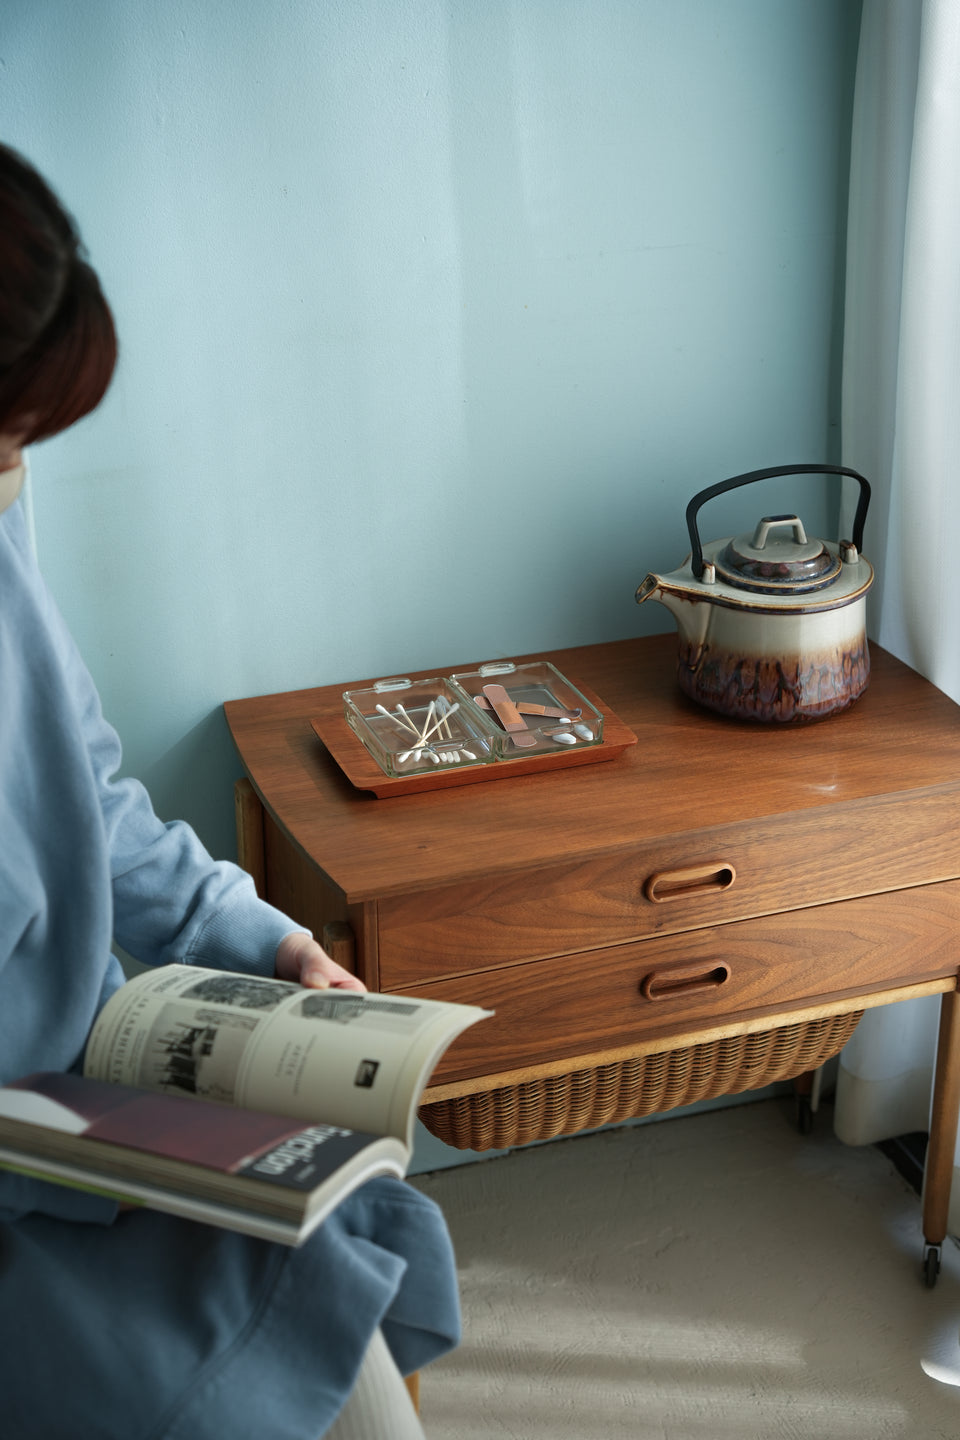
(126, 1324)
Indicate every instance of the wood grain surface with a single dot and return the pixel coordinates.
(768, 966)
(690, 772)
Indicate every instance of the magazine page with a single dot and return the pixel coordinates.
(357, 1060)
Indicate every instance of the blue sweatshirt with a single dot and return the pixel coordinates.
(158, 1327)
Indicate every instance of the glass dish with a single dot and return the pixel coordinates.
(551, 715)
(412, 727)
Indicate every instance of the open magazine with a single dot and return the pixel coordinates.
(249, 1103)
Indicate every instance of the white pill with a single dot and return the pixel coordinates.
(468, 755)
(584, 731)
(565, 738)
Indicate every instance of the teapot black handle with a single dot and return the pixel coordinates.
(737, 480)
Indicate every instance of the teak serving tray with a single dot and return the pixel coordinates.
(362, 770)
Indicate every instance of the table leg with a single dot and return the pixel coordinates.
(943, 1135)
(338, 940)
(803, 1087)
(248, 812)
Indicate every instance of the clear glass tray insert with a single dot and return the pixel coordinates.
(553, 713)
(412, 727)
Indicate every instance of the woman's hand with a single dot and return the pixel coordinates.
(300, 958)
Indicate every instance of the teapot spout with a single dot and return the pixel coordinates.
(655, 587)
(691, 614)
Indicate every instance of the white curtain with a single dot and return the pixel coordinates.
(901, 428)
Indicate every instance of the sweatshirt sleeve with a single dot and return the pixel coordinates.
(172, 903)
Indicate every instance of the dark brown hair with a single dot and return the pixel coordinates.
(58, 346)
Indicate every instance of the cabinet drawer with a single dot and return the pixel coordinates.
(678, 883)
(663, 987)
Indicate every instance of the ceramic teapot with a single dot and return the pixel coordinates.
(772, 625)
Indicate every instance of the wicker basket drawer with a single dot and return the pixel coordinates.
(591, 1002)
(606, 1094)
(705, 878)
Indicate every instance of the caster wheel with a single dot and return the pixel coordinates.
(931, 1265)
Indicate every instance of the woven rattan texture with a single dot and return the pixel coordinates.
(643, 1085)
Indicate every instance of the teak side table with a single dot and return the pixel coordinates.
(711, 910)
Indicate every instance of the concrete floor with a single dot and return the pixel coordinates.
(714, 1277)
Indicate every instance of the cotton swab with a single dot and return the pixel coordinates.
(413, 727)
(437, 718)
(443, 709)
(439, 721)
(426, 724)
(406, 723)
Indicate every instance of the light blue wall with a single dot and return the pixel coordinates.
(434, 314)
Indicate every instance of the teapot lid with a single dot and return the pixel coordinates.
(774, 562)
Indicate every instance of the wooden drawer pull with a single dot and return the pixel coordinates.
(694, 880)
(665, 984)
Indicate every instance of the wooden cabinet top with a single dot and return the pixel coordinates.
(690, 771)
